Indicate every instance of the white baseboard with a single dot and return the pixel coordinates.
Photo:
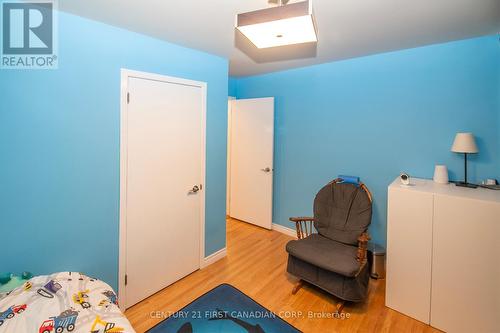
(216, 256)
(285, 230)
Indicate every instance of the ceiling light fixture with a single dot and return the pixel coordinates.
(279, 26)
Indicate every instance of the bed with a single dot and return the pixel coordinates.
(62, 302)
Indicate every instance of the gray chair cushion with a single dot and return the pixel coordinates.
(342, 212)
(347, 288)
(325, 253)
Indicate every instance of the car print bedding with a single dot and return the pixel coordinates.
(62, 302)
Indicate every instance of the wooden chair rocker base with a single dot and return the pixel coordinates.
(339, 307)
(297, 286)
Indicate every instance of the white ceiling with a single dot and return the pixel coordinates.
(346, 28)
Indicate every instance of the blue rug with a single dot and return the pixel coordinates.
(223, 309)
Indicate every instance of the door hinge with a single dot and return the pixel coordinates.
(126, 279)
(201, 186)
(128, 98)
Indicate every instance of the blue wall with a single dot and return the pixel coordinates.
(379, 115)
(232, 86)
(59, 148)
(496, 66)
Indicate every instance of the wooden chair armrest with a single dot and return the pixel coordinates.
(304, 226)
(298, 219)
(363, 247)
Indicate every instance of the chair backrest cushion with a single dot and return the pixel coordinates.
(342, 212)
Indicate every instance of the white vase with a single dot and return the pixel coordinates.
(441, 174)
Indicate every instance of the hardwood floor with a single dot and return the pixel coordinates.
(256, 264)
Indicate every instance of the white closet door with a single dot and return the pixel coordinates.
(164, 139)
(409, 252)
(465, 270)
(252, 143)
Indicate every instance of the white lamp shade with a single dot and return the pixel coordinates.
(464, 143)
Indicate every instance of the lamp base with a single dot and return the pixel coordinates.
(463, 184)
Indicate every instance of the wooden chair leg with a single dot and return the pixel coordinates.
(340, 307)
(297, 286)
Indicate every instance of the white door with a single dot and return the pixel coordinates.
(165, 161)
(251, 166)
(408, 282)
(465, 251)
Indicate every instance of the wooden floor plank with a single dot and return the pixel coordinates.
(256, 264)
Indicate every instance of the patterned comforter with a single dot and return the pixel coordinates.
(62, 302)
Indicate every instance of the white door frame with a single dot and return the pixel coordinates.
(125, 75)
(228, 169)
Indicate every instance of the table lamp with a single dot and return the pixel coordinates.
(464, 143)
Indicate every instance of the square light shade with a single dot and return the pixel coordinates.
(464, 143)
(279, 26)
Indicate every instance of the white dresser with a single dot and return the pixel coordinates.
(443, 255)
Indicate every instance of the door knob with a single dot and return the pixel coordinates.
(266, 169)
(195, 189)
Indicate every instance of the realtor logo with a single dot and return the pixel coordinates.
(29, 35)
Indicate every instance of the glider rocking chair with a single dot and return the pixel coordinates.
(335, 257)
